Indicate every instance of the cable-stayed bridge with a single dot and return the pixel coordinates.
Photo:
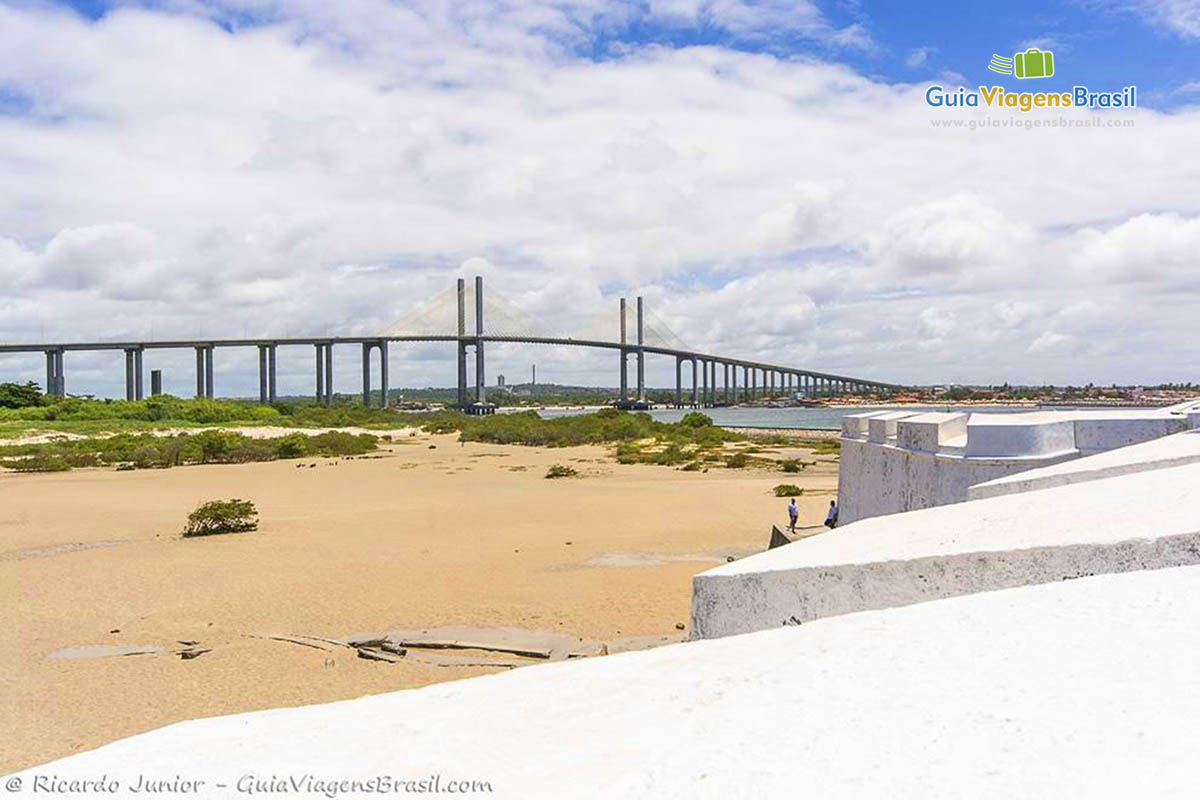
(462, 315)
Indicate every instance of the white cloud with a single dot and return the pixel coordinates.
(323, 172)
(1181, 17)
(919, 56)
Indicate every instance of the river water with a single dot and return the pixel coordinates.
(829, 418)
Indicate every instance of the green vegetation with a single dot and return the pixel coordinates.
(20, 395)
(119, 433)
(147, 451)
(560, 471)
(605, 426)
(788, 490)
(222, 516)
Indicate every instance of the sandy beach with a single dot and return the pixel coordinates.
(427, 535)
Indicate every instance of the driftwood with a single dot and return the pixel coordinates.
(454, 644)
(372, 655)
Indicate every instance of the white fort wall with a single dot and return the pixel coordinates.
(895, 461)
(1146, 520)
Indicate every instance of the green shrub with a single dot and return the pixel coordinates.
(737, 460)
(222, 516)
(561, 471)
(20, 395)
(788, 490)
(791, 465)
(294, 445)
(691, 466)
(694, 419)
(38, 463)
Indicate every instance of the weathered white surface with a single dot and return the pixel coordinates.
(1088, 688)
(1170, 451)
(896, 461)
(1142, 521)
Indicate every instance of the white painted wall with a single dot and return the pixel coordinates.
(1133, 522)
(894, 461)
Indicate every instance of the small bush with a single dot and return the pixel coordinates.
(691, 466)
(737, 461)
(222, 516)
(791, 465)
(694, 419)
(561, 471)
(788, 490)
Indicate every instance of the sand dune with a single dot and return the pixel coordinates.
(459, 535)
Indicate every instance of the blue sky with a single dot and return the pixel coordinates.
(766, 172)
(1100, 43)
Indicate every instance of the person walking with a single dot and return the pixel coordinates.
(831, 517)
(793, 515)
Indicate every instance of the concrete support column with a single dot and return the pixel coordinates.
(155, 382)
(320, 373)
(728, 396)
(383, 372)
(199, 372)
(329, 374)
(704, 378)
(462, 343)
(624, 364)
(129, 396)
(271, 387)
(366, 369)
(262, 374)
(60, 375)
(641, 354)
(695, 393)
(480, 383)
(138, 371)
(50, 373)
(734, 384)
(208, 371)
(678, 382)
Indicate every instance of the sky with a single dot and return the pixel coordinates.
(767, 174)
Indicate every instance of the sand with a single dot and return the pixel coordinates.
(455, 537)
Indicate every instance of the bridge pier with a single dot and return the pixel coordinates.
(204, 370)
(129, 375)
(320, 373)
(641, 354)
(462, 343)
(366, 373)
(624, 398)
(734, 384)
(133, 373)
(678, 382)
(481, 404)
(264, 393)
(367, 347)
(695, 384)
(271, 382)
(324, 373)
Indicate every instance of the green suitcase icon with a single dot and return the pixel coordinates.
(1034, 63)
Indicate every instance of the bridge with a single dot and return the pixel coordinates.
(758, 379)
